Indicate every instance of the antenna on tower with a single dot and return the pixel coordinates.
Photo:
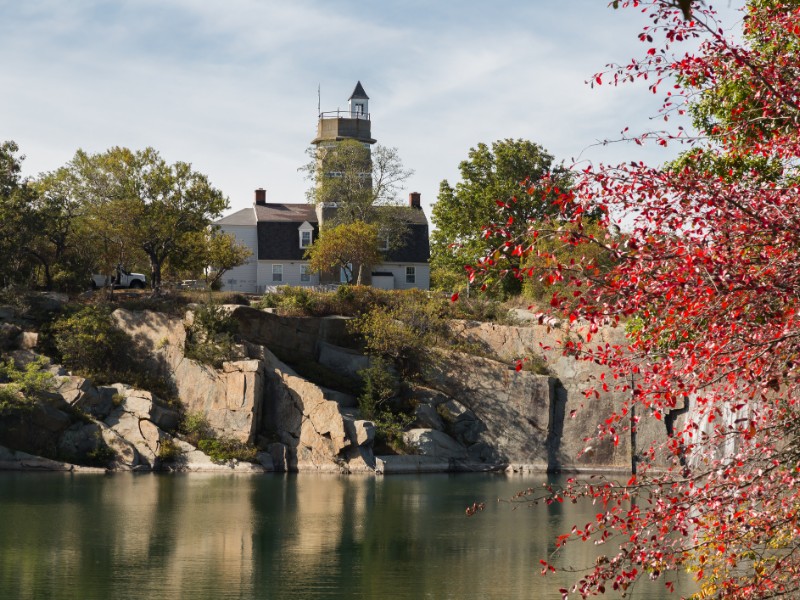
(319, 101)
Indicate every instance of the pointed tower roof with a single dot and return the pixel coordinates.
(358, 92)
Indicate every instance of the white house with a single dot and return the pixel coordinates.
(279, 234)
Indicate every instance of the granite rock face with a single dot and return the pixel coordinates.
(229, 398)
(571, 416)
(316, 430)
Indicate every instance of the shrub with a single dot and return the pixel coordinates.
(226, 449)
(169, 451)
(195, 427)
(379, 387)
(210, 337)
(23, 385)
(89, 343)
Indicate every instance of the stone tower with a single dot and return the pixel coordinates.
(337, 126)
(351, 124)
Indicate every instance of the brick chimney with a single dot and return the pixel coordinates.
(261, 196)
(414, 200)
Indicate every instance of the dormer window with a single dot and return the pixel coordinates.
(383, 242)
(306, 232)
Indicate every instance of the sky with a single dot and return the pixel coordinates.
(232, 86)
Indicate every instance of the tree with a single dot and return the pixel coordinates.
(17, 218)
(139, 202)
(363, 183)
(345, 247)
(210, 254)
(64, 246)
(507, 178)
(708, 283)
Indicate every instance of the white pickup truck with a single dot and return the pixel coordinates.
(120, 279)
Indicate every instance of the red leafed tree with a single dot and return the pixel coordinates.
(707, 281)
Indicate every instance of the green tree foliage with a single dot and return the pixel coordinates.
(406, 333)
(139, 202)
(349, 246)
(209, 254)
(363, 183)
(64, 246)
(517, 175)
(18, 221)
(559, 244)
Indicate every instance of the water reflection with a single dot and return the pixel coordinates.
(305, 536)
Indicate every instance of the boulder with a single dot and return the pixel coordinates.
(79, 440)
(15, 460)
(28, 340)
(426, 417)
(342, 360)
(429, 442)
(265, 460)
(145, 405)
(141, 433)
(360, 432)
(194, 461)
(81, 394)
(398, 465)
(229, 398)
(127, 457)
(279, 454)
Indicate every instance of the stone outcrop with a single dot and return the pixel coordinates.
(572, 416)
(316, 431)
(229, 398)
(471, 413)
(290, 338)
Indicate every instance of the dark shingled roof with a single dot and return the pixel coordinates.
(246, 216)
(417, 248)
(358, 92)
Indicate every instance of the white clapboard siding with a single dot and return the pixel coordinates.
(291, 274)
(398, 270)
(243, 278)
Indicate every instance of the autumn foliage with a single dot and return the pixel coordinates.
(707, 281)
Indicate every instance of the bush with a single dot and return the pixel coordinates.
(89, 343)
(199, 433)
(226, 449)
(169, 451)
(22, 386)
(379, 387)
(210, 337)
(195, 427)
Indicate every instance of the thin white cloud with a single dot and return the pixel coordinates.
(232, 86)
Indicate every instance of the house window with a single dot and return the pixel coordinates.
(277, 273)
(411, 274)
(305, 274)
(305, 239)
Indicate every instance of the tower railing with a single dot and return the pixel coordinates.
(343, 114)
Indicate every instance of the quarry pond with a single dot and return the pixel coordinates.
(212, 536)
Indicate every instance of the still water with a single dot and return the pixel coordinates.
(293, 537)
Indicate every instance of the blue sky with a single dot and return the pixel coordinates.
(232, 86)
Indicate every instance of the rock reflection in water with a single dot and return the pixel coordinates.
(276, 536)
